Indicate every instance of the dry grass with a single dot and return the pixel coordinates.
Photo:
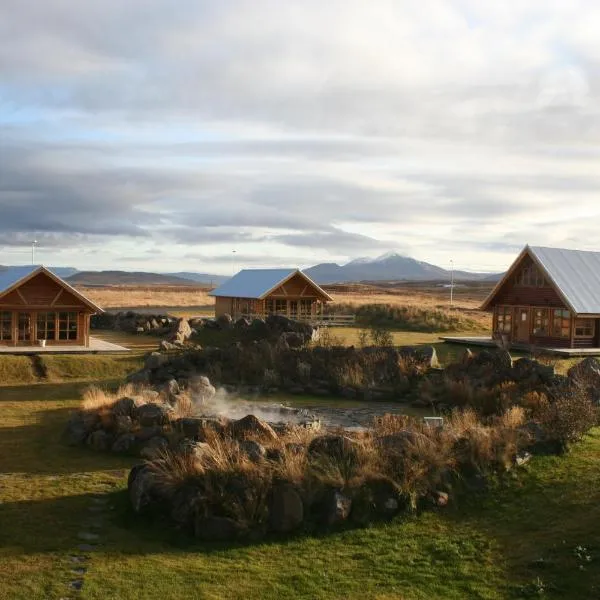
(99, 399)
(149, 296)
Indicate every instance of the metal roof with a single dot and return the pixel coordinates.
(13, 275)
(257, 283)
(576, 274)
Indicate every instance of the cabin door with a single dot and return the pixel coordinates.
(522, 324)
(25, 327)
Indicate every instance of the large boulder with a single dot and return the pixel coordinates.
(217, 529)
(141, 487)
(224, 321)
(183, 331)
(153, 448)
(378, 497)
(586, 372)
(124, 407)
(531, 372)
(100, 440)
(155, 360)
(286, 510)
(151, 414)
(333, 507)
(77, 430)
(336, 447)
(251, 427)
(202, 390)
(124, 444)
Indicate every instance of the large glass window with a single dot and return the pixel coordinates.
(504, 319)
(585, 328)
(561, 323)
(46, 326)
(67, 326)
(540, 321)
(531, 276)
(6, 333)
(24, 327)
(281, 306)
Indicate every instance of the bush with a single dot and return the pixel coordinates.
(566, 419)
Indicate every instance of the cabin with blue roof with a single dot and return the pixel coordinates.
(38, 308)
(257, 293)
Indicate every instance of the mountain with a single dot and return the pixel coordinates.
(204, 278)
(63, 272)
(99, 278)
(388, 267)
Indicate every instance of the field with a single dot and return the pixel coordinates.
(528, 538)
(190, 301)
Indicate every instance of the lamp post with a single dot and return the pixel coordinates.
(233, 262)
(451, 283)
(33, 245)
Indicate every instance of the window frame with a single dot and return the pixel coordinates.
(42, 325)
(540, 322)
(6, 316)
(504, 325)
(563, 315)
(71, 319)
(589, 322)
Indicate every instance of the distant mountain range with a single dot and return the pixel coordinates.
(388, 267)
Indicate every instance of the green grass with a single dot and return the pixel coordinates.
(487, 547)
(62, 367)
(16, 369)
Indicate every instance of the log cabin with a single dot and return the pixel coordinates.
(38, 308)
(549, 298)
(263, 292)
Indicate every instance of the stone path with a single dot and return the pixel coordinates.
(90, 538)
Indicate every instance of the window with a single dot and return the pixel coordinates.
(305, 308)
(46, 326)
(584, 328)
(5, 326)
(281, 306)
(67, 326)
(561, 323)
(540, 321)
(530, 276)
(504, 319)
(24, 327)
(269, 306)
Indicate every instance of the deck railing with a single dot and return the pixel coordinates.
(332, 320)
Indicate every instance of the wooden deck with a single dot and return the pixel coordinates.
(96, 347)
(490, 343)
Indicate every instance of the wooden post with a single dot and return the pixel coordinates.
(572, 340)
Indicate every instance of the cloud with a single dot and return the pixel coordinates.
(310, 131)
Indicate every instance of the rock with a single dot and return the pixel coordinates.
(252, 427)
(153, 448)
(587, 372)
(124, 444)
(291, 339)
(255, 451)
(199, 428)
(332, 446)
(439, 498)
(224, 322)
(522, 458)
(124, 407)
(166, 346)
(531, 371)
(202, 389)
(242, 323)
(123, 424)
(170, 390)
(184, 506)
(155, 360)
(152, 414)
(377, 498)
(77, 430)
(198, 449)
(183, 331)
(286, 510)
(334, 507)
(217, 529)
(100, 440)
(145, 433)
(141, 488)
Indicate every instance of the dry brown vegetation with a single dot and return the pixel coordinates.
(148, 296)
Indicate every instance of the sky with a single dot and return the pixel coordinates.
(210, 135)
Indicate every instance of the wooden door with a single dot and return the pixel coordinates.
(522, 324)
(24, 328)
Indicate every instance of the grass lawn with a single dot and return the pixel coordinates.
(526, 534)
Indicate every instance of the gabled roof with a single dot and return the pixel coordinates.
(258, 283)
(575, 274)
(14, 277)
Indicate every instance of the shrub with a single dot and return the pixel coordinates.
(381, 337)
(566, 419)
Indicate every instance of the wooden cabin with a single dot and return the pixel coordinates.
(263, 292)
(550, 297)
(38, 308)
